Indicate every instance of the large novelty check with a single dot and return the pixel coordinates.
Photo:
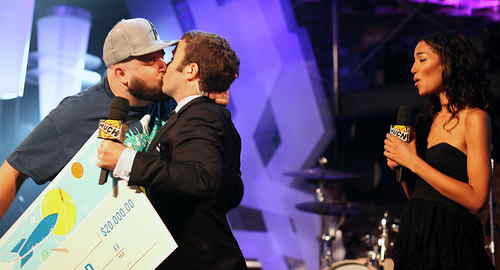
(77, 224)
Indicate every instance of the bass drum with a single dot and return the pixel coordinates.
(360, 264)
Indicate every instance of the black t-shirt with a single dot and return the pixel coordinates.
(59, 136)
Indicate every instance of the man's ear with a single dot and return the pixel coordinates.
(191, 70)
(120, 72)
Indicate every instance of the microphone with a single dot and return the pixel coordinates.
(402, 129)
(115, 127)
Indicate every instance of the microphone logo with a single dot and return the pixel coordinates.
(112, 130)
(401, 131)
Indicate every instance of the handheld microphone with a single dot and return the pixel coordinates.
(115, 127)
(403, 129)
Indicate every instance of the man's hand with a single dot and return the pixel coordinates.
(108, 154)
(221, 98)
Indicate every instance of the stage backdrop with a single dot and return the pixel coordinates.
(279, 109)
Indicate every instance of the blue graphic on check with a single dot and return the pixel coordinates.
(77, 224)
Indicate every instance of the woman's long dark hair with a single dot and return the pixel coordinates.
(464, 80)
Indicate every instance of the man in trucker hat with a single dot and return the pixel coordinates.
(133, 54)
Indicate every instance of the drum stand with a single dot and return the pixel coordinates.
(491, 246)
(326, 238)
(326, 252)
(378, 255)
(328, 233)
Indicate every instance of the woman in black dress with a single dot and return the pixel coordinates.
(450, 159)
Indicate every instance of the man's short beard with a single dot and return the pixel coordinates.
(139, 90)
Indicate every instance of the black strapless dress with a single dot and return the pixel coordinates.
(436, 233)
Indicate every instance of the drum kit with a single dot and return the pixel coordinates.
(330, 203)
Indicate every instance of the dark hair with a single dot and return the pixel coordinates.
(218, 63)
(464, 80)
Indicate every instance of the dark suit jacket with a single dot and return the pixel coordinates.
(193, 181)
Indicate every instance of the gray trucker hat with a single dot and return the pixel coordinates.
(132, 37)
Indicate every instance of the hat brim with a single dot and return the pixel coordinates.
(158, 45)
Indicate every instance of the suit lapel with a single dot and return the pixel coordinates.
(172, 120)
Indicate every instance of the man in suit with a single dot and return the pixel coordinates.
(191, 171)
(133, 54)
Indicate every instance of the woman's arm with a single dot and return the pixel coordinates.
(471, 195)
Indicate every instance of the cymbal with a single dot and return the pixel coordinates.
(318, 173)
(328, 208)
